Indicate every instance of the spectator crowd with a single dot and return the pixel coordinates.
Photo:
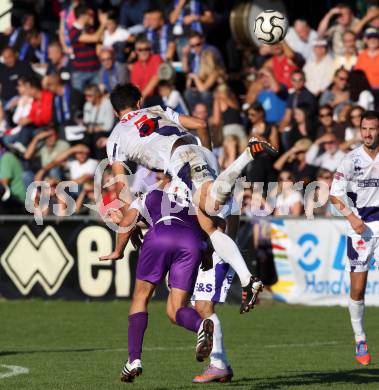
(304, 95)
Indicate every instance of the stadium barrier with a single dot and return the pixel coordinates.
(60, 260)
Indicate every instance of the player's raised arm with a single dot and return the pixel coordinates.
(122, 239)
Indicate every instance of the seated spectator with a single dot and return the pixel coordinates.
(131, 12)
(12, 187)
(187, 16)
(159, 34)
(24, 102)
(171, 97)
(327, 125)
(368, 59)
(114, 33)
(352, 133)
(40, 114)
(293, 160)
(348, 58)
(68, 103)
(35, 51)
(85, 64)
(230, 151)
(325, 153)
(87, 195)
(321, 195)
(370, 19)
(360, 90)
(337, 95)
(17, 38)
(345, 21)
(144, 72)
(300, 96)
(47, 147)
(80, 169)
(192, 53)
(43, 208)
(288, 200)
(59, 63)
(200, 85)
(319, 68)
(259, 128)
(111, 72)
(302, 126)
(10, 71)
(270, 94)
(227, 113)
(98, 118)
(282, 63)
(300, 38)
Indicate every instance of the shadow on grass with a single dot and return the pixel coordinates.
(66, 350)
(359, 376)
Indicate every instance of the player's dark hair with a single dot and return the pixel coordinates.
(370, 115)
(125, 96)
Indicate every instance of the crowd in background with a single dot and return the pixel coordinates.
(304, 95)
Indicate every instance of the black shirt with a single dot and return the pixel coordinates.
(303, 98)
(9, 77)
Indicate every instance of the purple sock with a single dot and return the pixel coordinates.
(188, 318)
(136, 330)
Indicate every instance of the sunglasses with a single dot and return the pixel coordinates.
(342, 78)
(194, 45)
(355, 116)
(297, 80)
(325, 115)
(142, 49)
(106, 59)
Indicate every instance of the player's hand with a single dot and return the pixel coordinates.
(358, 225)
(136, 237)
(113, 256)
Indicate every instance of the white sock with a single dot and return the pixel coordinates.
(225, 181)
(228, 250)
(218, 356)
(357, 309)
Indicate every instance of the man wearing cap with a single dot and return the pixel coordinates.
(368, 59)
(319, 69)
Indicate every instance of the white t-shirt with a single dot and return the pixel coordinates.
(146, 137)
(319, 75)
(77, 170)
(297, 44)
(357, 182)
(120, 35)
(284, 204)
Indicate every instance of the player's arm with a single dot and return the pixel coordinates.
(122, 185)
(123, 236)
(337, 197)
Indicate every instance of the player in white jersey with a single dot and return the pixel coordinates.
(157, 139)
(357, 178)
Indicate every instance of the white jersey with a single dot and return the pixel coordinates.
(358, 179)
(146, 137)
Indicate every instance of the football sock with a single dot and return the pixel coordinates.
(227, 249)
(218, 356)
(188, 318)
(357, 309)
(137, 324)
(225, 181)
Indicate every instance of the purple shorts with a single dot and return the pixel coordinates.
(174, 248)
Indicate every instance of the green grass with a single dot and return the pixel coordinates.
(77, 345)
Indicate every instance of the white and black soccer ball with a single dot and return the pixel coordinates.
(270, 27)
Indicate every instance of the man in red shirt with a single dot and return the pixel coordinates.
(144, 72)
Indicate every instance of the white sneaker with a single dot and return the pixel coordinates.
(131, 370)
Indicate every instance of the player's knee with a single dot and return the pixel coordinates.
(357, 293)
(204, 308)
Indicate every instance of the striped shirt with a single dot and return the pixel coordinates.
(85, 59)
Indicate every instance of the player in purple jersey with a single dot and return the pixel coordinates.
(173, 244)
(158, 139)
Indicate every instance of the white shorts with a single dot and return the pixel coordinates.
(360, 252)
(194, 165)
(213, 285)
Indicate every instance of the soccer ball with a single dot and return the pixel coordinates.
(270, 27)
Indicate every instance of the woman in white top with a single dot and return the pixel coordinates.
(288, 200)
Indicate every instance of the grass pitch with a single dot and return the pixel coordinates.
(78, 345)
